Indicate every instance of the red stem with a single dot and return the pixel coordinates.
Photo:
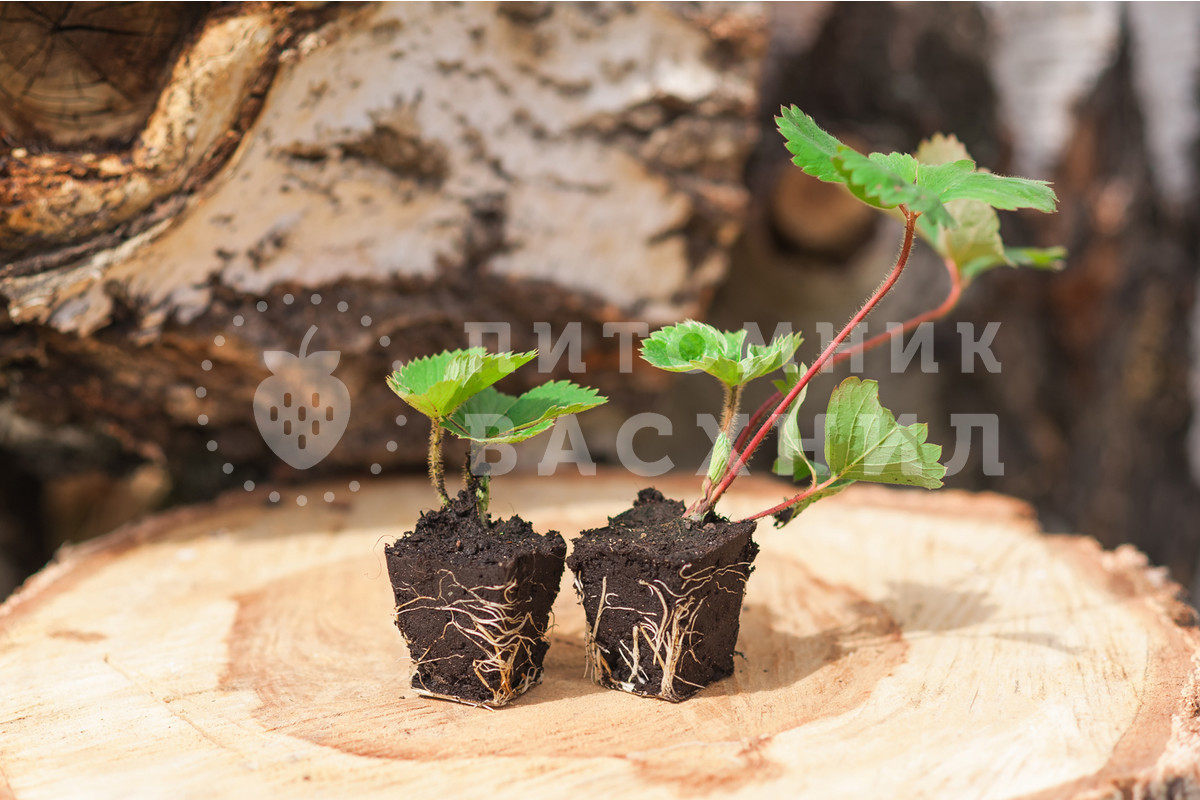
(930, 315)
(910, 222)
(791, 501)
(956, 288)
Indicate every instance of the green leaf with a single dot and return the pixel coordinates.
(763, 359)
(942, 183)
(552, 400)
(1044, 258)
(437, 385)
(791, 376)
(971, 196)
(1048, 258)
(493, 417)
(692, 345)
(1005, 193)
(975, 245)
(813, 149)
(938, 178)
(864, 442)
(883, 181)
(886, 181)
(948, 171)
(942, 149)
(791, 460)
(790, 448)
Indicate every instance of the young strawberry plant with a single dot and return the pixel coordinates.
(668, 626)
(473, 595)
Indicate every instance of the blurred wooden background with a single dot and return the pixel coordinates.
(424, 167)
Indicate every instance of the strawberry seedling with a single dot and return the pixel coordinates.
(667, 627)
(473, 595)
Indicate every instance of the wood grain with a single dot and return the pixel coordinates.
(895, 644)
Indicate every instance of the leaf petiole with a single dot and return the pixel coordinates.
(791, 501)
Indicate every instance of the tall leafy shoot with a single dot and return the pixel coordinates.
(944, 198)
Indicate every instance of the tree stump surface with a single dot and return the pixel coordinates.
(896, 644)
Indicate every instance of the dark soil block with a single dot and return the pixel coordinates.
(662, 597)
(473, 602)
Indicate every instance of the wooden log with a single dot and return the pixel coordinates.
(895, 645)
(390, 172)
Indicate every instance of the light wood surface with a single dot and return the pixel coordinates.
(896, 644)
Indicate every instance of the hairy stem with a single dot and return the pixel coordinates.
(791, 501)
(437, 471)
(736, 463)
(947, 305)
(942, 310)
(479, 480)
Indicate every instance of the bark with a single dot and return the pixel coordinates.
(420, 166)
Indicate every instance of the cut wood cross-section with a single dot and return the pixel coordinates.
(894, 644)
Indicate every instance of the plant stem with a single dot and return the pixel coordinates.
(483, 497)
(736, 464)
(791, 501)
(947, 305)
(437, 471)
(477, 477)
(732, 402)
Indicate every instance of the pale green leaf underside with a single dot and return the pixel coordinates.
(863, 442)
(493, 417)
(693, 345)
(974, 245)
(437, 385)
(791, 461)
(1004, 193)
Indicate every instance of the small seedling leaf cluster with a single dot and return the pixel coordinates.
(725, 355)
(692, 345)
(437, 385)
(455, 390)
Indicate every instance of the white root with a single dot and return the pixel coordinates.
(502, 637)
(669, 638)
